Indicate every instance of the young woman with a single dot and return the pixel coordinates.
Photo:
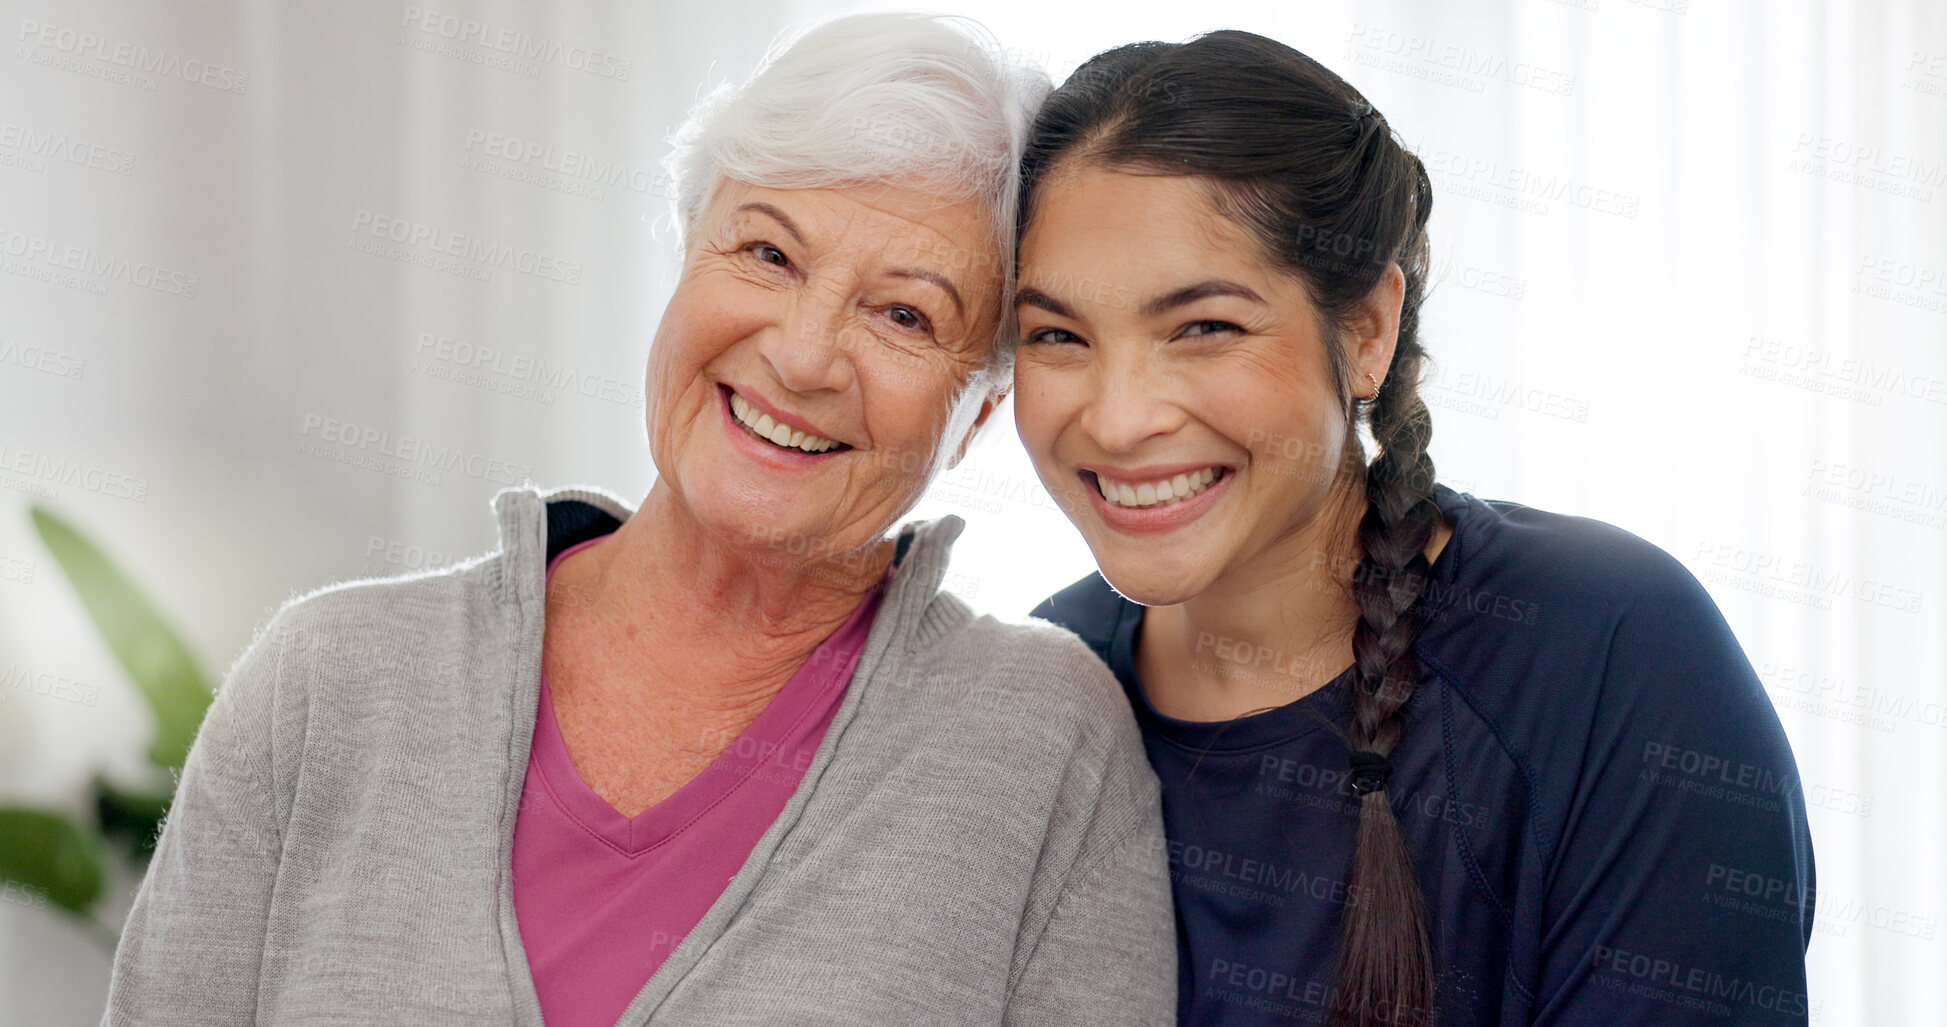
(1425, 758)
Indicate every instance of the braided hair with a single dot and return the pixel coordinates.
(1312, 170)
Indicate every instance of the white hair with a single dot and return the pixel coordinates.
(911, 98)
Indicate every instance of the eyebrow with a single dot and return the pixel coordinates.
(1192, 293)
(1037, 298)
(1159, 305)
(925, 275)
(775, 215)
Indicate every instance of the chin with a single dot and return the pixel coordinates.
(743, 515)
(1151, 582)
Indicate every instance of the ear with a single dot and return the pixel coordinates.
(1375, 330)
(995, 397)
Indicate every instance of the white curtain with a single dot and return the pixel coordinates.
(288, 291)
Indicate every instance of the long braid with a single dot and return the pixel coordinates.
(1386, 951)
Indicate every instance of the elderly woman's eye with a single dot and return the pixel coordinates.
(907, 317)
(770, 254)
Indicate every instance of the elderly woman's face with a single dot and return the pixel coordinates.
(813, 367)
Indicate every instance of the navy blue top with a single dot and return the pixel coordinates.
(1597, 794)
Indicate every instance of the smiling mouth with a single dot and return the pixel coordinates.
(783, 436)
(1150, 494)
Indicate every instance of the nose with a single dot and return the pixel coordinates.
(809, 349)
(1131, 403)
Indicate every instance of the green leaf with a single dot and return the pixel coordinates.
(154, 655)
(131, 818)
(48, 853)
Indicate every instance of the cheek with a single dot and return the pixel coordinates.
(1040, 405)
(664, 377)
(704, 320)
(675, 336)
(1291, 426)
(906, 408)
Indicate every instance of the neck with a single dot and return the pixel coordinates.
(685, 597)
(1268, 632)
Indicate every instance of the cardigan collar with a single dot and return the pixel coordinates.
(535, 524)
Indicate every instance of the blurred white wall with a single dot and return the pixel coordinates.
(1693, 261)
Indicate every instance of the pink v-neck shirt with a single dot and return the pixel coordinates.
(602, 898)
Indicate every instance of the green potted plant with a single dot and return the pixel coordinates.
(61, 857)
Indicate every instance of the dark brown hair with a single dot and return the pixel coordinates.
(1299, 158)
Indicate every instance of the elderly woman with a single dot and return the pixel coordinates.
(732, 757)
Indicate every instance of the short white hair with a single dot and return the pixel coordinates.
(909, 98)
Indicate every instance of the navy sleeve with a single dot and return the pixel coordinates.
(1089, 609)
(1680, 888)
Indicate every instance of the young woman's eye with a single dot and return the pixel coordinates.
(1051, 335)
(1203, 328)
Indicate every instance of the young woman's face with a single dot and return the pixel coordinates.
(1172, 387)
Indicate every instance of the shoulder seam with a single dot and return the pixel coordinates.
(1453, 682)
(1460, 838)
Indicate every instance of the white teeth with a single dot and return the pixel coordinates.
(775, 432)
(1156, 493)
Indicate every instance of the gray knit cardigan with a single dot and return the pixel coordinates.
(977, 840)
